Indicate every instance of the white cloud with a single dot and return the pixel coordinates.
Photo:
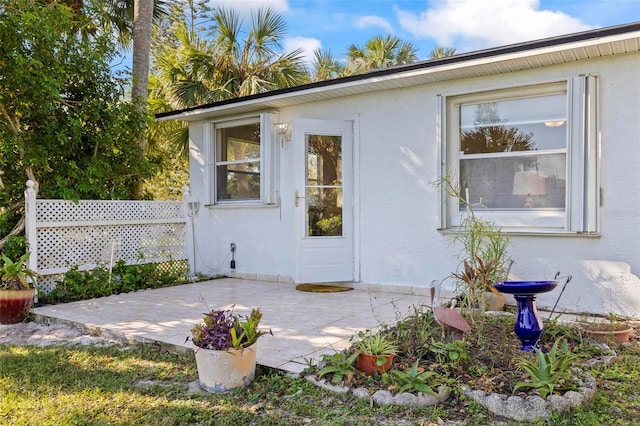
(308, 45)
(472, 24)
(373, 21)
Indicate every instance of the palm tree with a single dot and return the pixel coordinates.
(255, 65)
(142, 21)
(325, 66)
(192, 70)
(380, 52)
(442, 52)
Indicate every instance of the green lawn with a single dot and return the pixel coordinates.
(140, 385)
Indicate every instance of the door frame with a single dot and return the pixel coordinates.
(355, 181)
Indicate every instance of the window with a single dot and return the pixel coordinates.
(525, 158)
(241, 161)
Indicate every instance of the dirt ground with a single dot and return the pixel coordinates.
(31, 333)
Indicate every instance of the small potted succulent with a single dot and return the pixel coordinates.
(16, 288)
(376, 353)
(226, 349)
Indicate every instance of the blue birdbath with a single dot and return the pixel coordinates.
(528, 326)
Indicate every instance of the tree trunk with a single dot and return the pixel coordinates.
(142, 21)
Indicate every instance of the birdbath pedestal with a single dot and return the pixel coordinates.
(528, 326)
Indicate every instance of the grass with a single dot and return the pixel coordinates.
(140, 385)
(73, 385)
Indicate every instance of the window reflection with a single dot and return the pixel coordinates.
(238, 162)
(324, 185)
(513, 153)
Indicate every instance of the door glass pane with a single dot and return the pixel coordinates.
(324, 185)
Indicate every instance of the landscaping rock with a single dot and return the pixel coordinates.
(328, 386)
(382, 397)
(426, 400)
(361, 392)
(407, 399)
(534, 407)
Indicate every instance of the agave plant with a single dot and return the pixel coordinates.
(550, 371)
(413, 380)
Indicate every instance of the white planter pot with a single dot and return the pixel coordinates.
(223, 371)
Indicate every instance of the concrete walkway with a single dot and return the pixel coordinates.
(305, 325)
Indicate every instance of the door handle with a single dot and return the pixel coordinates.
(297, 198)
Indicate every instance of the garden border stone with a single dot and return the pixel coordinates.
(383, 397)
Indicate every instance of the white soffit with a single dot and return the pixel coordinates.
(481, 66)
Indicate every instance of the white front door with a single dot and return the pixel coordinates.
(323, 152)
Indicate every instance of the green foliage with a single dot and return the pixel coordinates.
(375, 344)
(341, 365)
(483, 255)
(250, 332)
(16, 275)
(413, 380)
(15, 247)
(380, 52)
(82, 285)
(63, 122)
(412, 333)
(449, 353)
(551, 371)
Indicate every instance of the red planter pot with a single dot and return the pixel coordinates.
(14, 305)
(368, 364)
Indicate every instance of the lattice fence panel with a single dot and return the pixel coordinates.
(98, 233)
(108, 210)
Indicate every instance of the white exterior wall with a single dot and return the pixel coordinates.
(397, 217)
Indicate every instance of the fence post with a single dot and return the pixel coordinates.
(30, 230)
(190, 209)
(30, 225)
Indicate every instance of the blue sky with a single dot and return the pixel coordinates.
(466, 25)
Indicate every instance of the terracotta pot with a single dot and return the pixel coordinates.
(493, 301)
(14, 305)
(223, 371)
(368, 364)
(617, 334)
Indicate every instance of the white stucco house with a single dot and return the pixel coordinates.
(333, 181)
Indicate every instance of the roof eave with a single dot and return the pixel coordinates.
(431, 71)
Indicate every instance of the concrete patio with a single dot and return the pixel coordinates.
(305, 325)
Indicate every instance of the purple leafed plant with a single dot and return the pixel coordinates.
(222, 329)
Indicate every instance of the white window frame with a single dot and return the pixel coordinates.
(582, 198)
(267, 161)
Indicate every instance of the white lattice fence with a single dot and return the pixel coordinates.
(63, 234)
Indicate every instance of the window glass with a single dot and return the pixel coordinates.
(238, 155)
(512, 153)
(324, 185)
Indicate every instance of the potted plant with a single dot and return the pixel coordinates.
(615, 330)
(483, 256)
(226, 349)
(375, 353)
(16, 289)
